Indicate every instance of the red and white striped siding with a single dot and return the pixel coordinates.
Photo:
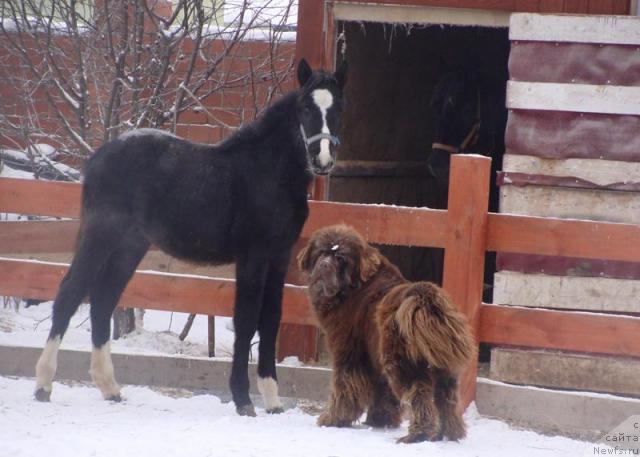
(573, 151)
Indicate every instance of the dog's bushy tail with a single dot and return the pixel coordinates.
(433, 329)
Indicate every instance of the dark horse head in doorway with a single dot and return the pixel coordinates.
(470, 118)
(243, 200)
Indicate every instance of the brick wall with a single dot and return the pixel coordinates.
(223, 110)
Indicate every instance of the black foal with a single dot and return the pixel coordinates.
(243, 200)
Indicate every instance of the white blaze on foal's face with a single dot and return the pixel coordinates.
(323, 100)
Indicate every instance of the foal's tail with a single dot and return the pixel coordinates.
(432, 328)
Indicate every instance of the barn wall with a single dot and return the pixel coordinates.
(564, 162)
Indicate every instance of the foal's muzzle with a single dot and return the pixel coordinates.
(317, 166)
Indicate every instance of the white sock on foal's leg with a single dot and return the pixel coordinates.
(46, 369)
(268, 388)
(102, 372)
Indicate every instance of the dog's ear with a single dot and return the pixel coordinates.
(369, 263)
(304, 259)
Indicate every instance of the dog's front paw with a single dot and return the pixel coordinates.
(414, 438)
(418, 437)
(327, 419)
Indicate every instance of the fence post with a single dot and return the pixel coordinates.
(464, 253)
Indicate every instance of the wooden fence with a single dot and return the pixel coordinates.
(466, 230)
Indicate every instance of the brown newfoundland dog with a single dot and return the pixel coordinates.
(391, 340)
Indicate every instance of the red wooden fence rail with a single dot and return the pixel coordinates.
(466, 230)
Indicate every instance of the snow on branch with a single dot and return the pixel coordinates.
(89, 71)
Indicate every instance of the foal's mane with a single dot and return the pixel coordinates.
(281, 114)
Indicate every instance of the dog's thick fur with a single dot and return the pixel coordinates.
(391, 340)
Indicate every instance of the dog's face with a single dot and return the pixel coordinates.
(338, 260)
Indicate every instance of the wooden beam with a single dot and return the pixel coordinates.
(309, 45)
(570, 202)
(415, 14)
(597, 171)
(378, 223)
(562, 237)
(566, 292)
(34, 237)
(45, 198)
(464, 256)
(149, 290)
(560, 330)
(396, 225)
(580, 98)
(622, 30)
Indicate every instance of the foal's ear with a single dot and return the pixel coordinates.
(341, 74)
(304, 260)
(304, 72)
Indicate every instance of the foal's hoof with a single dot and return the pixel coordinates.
(276, 410)
(246, 410)
(43, 395)
(117, 398)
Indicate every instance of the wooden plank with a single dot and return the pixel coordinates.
(150, 290)
(524, 179)
(378, 223)
(396, 225)
(601, 6)
(491, 5)
(562, 135)
(622, 6)
(564, 370)
(309, 45)
(597, 171)
(562, 330)
(575, 29)
(412, 14)
(576, 6)
(545, 6)
(566, 292)
(569, 238)
(299, 341)
(46, 198)
(615, 65)
(582, 98)
(567, 266)
(211, 336)
(588, 204)
(464, 257)
(32, 237)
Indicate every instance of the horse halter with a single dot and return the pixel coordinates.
(315, 138)
(470, 140)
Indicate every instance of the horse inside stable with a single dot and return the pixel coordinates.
(413, 86)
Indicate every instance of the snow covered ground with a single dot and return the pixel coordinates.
(30, 327)
(79, 423)
(149, 423)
